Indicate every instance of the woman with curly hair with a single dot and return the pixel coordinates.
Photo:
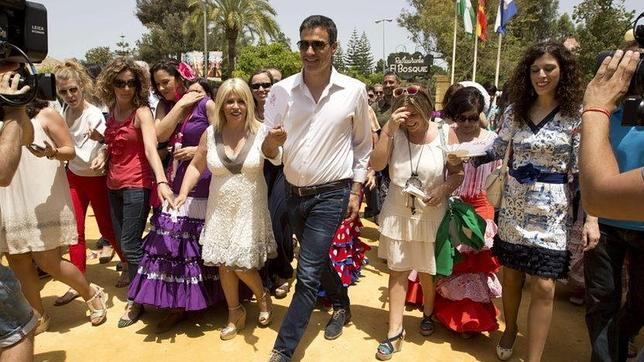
(87, 185)
(132, 160)
(541, 129)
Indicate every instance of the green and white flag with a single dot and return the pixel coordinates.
(466, 10)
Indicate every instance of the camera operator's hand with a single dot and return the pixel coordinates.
(9, 82)
(611, 81)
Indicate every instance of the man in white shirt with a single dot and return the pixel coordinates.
(321, 120)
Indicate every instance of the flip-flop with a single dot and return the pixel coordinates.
(69, 295)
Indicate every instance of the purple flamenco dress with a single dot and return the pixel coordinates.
(171, 273)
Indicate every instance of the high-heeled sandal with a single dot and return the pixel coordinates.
(390, 346)
(265, 318)
(503, 353)
(282, 290)
(427, 325)
(43, 324)
(97, 316)
(230, 331)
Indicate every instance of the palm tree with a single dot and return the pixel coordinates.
(252, 19)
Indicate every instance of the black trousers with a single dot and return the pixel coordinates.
(610, 325)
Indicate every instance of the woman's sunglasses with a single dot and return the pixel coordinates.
(411, 91)
(317, 45)
(120, 83)
(256, 86)
(462, 119)
(70, 91)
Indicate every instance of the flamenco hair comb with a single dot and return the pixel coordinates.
(186, 71)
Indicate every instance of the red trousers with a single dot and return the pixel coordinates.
(85, 191)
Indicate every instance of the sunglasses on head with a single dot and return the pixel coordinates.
(317, 45)
(462, 119)
(70, 91)
(256, 86)
(411, 91)
(120, 83)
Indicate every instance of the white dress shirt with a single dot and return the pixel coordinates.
(326, 141)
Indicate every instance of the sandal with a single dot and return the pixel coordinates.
(265, 318)
(43, 324)
(427, 325)
(107, 253)
(69, 295)
(390, 346)
(124, 280)
(98, 316)
(230, 331)
(134, 312)
(282, 290)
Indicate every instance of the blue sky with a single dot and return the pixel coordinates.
(78, 25)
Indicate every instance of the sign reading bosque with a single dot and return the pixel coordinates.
(407, 65)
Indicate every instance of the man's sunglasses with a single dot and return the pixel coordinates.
(120, 83)
(70, 91)
(462, 119)
(256, 86)
(411, 91)
(317, 45)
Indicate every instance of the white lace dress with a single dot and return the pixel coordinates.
(238, 232)
(36, 208)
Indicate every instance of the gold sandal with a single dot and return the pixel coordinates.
(265, 318)
(98, 316)
(230, 331)
(43, 324)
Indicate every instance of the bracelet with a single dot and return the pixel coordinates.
(596, 109)
(54, 155)
(387, 134)
(355, 193)
(163, 182)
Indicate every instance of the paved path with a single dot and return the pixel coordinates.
(72, 338)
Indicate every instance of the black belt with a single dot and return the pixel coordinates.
(316, 189)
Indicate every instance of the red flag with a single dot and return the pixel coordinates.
(481, 23)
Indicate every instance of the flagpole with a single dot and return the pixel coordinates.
(498, 61)
(454, 42)
(476, 47)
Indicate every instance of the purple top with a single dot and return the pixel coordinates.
(197, 124)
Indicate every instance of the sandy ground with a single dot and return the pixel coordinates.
(72, 338)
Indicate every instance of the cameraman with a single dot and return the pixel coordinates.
(17, 318)
(608, 146)
(605, 191)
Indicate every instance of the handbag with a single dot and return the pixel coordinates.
(495, 181)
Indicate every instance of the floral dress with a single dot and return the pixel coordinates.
(535, 215)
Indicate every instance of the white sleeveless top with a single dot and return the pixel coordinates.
(396, 219)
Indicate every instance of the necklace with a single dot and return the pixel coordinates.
(413, 180)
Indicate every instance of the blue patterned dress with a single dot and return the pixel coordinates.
(535, 216)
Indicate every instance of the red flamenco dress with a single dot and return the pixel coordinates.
(464, 299)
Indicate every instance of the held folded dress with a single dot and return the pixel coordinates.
(238, 232)
(171, 273)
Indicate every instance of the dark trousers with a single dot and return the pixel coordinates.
(314, 220)
(130, 208)
(610, 325)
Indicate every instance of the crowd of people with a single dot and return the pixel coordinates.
(239, 176)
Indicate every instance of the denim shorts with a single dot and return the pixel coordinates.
(17, 318)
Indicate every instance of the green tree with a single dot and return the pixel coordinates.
(338, 59)
(236, 19)
(276, 55)
(99, 55)
(602, 24)
(364, 56)
(164, 20)
(351, 57)
(123, 47)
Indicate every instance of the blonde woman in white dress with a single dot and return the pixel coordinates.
(409, 144)
(237, 235)
(38, 217)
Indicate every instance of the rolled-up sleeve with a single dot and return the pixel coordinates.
(361, 137)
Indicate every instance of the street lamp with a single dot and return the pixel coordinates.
(205, 34)
(383, 20)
